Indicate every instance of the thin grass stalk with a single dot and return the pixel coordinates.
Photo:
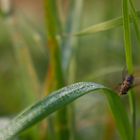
(137, 30)
(55, 75)
(133, 112)
(69, 43)
(135, 20)
(127, 37)
(55, 70)
(69, 46)
(129, 62)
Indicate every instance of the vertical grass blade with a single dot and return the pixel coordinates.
(69, 47)
(72, 25)
(128, 55)
(135, 20)
(55, 78)
(127, 37)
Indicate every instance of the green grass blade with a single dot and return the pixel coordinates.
(72, 25)
(128, 55)
(127, 37)
(107, 25)
(135, 20)
(101, 27)
(55, 77)
(61, 98)
(132, 97)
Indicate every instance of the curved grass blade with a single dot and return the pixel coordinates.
(107, 25)
(62, 97)
(101, 27)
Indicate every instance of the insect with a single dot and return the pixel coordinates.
(127, 84)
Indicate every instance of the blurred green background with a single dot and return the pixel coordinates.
(98, 57)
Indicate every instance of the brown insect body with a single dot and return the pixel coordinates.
(126, 84)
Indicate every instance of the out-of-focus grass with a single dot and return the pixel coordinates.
(8, 75)
(95, 52)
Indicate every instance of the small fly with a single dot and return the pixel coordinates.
(127, 84)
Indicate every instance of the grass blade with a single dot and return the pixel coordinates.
(107, 25)
(61, 98)
(72, 25)
(127, 37)
(128, 56)
(55, 78)
(135, 20)
(101, 27)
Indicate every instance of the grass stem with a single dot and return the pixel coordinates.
(129, 62)
(55, 75)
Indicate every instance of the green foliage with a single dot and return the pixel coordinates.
(70, 55)
(104, 26)
(59, 99)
